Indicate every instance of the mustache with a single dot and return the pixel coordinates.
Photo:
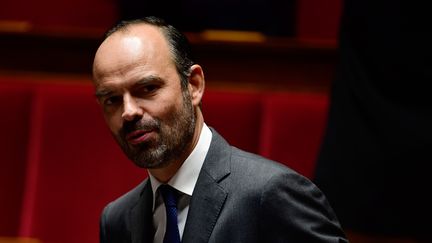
(139, 124)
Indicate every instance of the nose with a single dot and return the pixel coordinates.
(131, 108)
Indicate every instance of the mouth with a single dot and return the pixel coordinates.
(138, 136)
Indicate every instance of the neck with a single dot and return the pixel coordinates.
(166, 173)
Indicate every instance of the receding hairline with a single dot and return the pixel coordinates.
(124, 30)
(177, 43)
(136, 30)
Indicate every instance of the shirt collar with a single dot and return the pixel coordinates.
(186, 177)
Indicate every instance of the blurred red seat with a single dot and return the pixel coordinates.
(15, 100)
(293, 126)
(235, 115)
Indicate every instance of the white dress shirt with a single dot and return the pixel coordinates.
(184, 181)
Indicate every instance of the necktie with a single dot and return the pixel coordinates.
(172, 234)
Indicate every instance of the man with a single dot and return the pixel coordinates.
(150, 92)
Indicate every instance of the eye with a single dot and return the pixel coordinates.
(146, 90)
(150, 88)
(112, 100)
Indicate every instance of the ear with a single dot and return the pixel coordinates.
(196, 84)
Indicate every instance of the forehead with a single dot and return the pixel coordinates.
(136, 45)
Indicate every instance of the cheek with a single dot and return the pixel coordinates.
(114, 122)
(165, 106)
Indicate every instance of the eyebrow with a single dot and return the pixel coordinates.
(103, 92)
(151, 79)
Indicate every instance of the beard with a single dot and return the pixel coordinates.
(173, 136)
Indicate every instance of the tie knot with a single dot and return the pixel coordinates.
(169, 195)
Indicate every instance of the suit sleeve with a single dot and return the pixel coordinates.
(293, 209)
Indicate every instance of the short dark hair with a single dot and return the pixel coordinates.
(179, 44)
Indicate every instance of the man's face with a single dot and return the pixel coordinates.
(137, 84)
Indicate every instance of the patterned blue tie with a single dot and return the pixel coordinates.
(169, 195)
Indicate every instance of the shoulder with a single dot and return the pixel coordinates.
(273, 178)
(246, 168)
(266, 179)
(285, 200)
(263, 168)
(222, 155)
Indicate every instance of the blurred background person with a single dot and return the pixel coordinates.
(374, 160)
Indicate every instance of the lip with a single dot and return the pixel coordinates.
(138, 136)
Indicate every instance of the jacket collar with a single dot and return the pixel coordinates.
(141, 216)
(209, 196)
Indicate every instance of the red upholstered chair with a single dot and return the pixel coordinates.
(235, 115)
(293, 126)
(74, 169)
(15, 100)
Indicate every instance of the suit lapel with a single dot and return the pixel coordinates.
(141, 217)
(209, 196)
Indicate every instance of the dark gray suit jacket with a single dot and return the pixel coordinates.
(239, 197)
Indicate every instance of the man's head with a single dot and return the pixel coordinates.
(150, 92)
(178, 43)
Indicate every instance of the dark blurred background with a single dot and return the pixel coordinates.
(303, 32)
(272, 17)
